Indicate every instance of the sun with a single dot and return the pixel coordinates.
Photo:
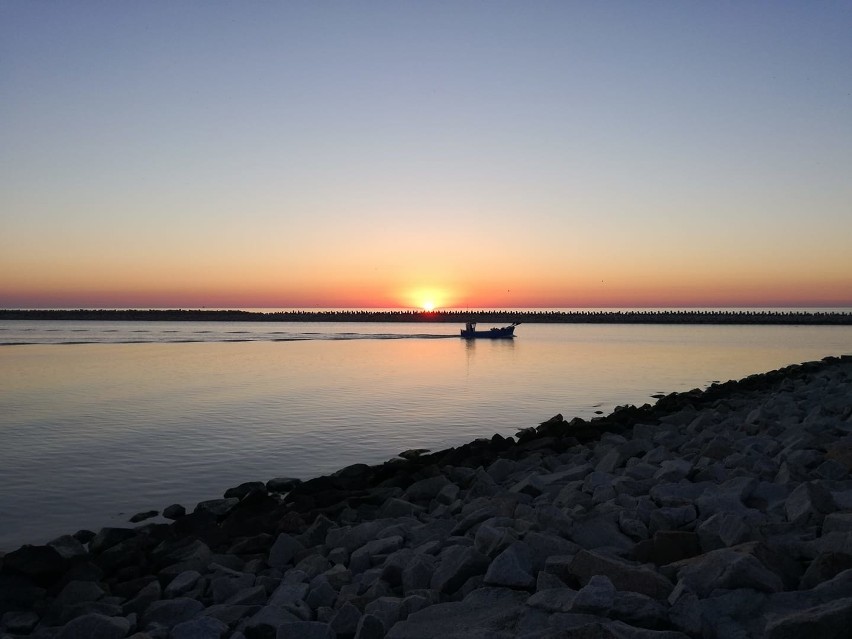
(426, 298)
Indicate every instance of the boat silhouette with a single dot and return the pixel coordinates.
(469, 332)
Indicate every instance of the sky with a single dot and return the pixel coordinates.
(408, 154)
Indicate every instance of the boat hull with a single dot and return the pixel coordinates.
(507, 332)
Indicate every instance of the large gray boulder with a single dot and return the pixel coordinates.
(182, 584)
(94, 626)
(624, 576)
(457, 565)
(284, 550)
(305, 630)
(265, 622)
(170, 612)
(512, 568)
(487, 610)
(729, 568)
(831, 620)
(200, 628)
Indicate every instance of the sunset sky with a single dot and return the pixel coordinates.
(394, 154)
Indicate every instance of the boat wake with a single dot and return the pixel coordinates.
(200, 337)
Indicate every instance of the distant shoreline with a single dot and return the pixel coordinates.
(764, 317)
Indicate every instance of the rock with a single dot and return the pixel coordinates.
(345, 620)
(181, 584)
(224, 586)
(413, 453)
(253, 596)
(84, 536)
(667, 546)
(824, 567)
(229, 614)
(457, 565)
(94, 626)
(175, 511)
(124, 554)
(68, 547)
(19, 622)
(109, 537)
(426, 489)
(265, 622)
(671, 518)
(353, 537)
(282, 484)
(512, 568)
(543, 545)
(316, 532)
(200, 628)
(148, 514)
(448, 494)
(726, 568)
(244, 489)
(362, 558)
(557, 599)
(673, 470)
(547, 581)
(596, 597)
(639, 610)
(103, 607)
(313, 565)
(624, 576)
(810, 501)
(418, 573)
(530, 485)
(832, 469)
(321, 595)
(148, 594)
(338, 575)
(599, 532)
(305, 630)
(254, 545)
(284, 550)
(551, 520)
(490, 541)
(685, 612)
(631, 526)
(385, 609)
(413, 603)
(486, 611)
(831, 620)
(723, 530)
(188, 554)
(170, 612)
(837, 522)
(369, 627)
(677, 494)
(76, 592)
(217, 507)
(42, 564)
(287, 594)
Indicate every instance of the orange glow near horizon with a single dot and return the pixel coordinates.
(343, 276)
(578, 295)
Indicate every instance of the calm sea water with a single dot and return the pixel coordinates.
(101, 420)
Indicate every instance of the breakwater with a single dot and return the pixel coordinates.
(732, 317)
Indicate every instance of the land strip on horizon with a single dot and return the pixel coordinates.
(446, 316)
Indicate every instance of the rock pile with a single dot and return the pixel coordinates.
(722, 513)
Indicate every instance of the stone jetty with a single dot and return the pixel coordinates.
(717, 513)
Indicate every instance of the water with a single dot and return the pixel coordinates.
(100, 420)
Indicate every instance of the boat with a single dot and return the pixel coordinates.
(469, 331)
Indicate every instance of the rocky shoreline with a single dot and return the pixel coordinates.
(717, 513)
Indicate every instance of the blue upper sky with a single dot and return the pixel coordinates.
(303, 149)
